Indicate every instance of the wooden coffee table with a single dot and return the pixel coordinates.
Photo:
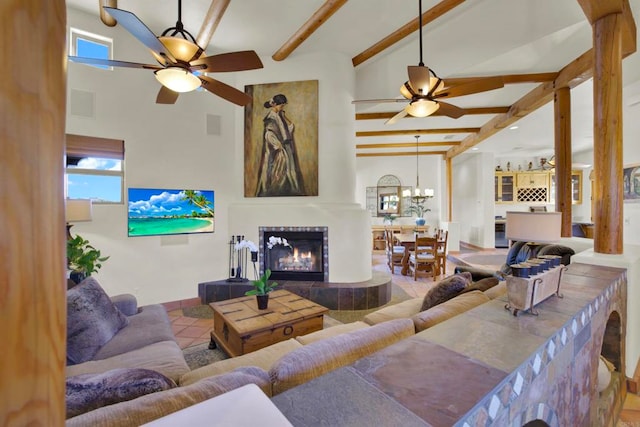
(240, 328)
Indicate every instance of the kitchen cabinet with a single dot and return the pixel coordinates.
(504, 187)
(533, 187)
(576, 187)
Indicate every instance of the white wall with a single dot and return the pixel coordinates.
(473, 198)
(631, 130)
(370, 169)
(167, 147)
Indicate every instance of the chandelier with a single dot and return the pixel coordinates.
(419, 195)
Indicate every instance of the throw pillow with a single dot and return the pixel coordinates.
(446, 289)
(92, 320)
(91, 391)
(482, 285)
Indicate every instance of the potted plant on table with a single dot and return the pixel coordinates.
(419, 209)
(262, 289)
(82, 259)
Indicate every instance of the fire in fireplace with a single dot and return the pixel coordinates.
(294, 253)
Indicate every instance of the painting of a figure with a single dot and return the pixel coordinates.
(631, 183)
(281, 140)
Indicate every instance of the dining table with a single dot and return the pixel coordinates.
(408, 240)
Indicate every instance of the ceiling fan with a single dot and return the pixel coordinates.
(424, 89)
(182, 63)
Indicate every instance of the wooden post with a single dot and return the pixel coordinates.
(32, 226)
(607, 134)
(562, 121)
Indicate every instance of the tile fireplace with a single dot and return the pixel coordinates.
(295, 253)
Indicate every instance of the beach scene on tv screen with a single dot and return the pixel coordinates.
(162, 211)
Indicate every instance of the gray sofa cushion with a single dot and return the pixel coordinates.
(92, 320)
(446, 289)
(149, 326)
(165, 357)
(126, 303)
(87, 392)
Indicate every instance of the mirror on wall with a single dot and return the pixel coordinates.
(389, 200)
(386, 198)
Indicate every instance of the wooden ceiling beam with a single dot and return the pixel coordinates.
(407, 29)
(507, 78)
(597, 9)
(402, 153)
(416, 132)
(217, 8)
(468, 111)
(576, 72)
(317, 19)
(408, 144)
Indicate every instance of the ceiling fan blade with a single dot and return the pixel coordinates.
(379, 101)
(225, 91)
(139, 30)
(166, 96)
(451, 110)
(476, 86)
(234, 61)
(112, 63)
(397, 117)
(419, 78)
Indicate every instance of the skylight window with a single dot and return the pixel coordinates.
(89, 45)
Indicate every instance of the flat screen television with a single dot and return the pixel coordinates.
(155, 211)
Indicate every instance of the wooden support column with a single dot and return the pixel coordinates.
(607, 135)
(562, 136)
(32, 226)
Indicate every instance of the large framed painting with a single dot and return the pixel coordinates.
(281, 140)
(631, 183)
(155, 212)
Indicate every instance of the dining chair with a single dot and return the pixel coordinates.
(442, 237)
(394, 252)
(424, 257)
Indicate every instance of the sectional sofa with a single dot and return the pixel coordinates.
(274, 369)
(290, 363)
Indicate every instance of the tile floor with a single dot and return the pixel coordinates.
(190, 331)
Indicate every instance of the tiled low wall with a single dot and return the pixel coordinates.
(486, 367)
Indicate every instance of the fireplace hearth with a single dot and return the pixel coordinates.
(295, 253)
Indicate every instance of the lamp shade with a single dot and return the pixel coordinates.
(541, 227)
(422, 108)
(178, 79)
(78, 210)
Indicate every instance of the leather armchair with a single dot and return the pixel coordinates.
(519, 252)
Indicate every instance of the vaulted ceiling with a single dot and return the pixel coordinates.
(528, 42)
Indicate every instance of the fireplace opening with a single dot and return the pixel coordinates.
(294, 253)
(612, 341)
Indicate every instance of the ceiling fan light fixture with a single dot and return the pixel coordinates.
(406, 88)
(422, 108)
(178, 79)
(181, 49)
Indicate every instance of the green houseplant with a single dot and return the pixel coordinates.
(419, 209)
(82, 258)
(261, 290)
